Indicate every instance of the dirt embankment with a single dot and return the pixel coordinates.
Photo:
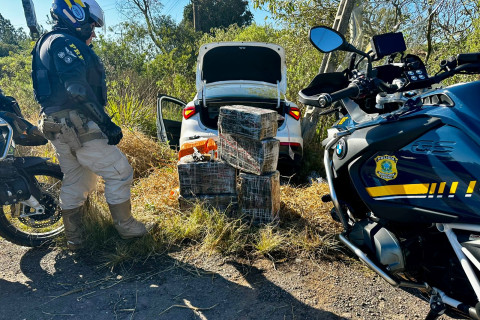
(51, 284)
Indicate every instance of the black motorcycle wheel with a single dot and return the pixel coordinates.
(35, 231)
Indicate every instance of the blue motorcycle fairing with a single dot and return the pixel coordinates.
(434, 172)
(434, 177)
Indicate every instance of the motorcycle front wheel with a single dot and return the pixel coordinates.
(17, 226)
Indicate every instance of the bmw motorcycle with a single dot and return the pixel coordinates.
(403, 167)
(29, 186)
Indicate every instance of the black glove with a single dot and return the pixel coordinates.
(112, 131)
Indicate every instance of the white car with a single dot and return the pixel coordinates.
(234, 73)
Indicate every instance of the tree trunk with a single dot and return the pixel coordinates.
(311, 116)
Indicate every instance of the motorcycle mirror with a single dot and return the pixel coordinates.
(326, 39)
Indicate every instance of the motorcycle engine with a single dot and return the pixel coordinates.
(419, 254)
(381, 242)
(430, 258)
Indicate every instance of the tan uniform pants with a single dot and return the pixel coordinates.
(80, 169)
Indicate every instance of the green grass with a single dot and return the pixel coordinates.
(203, 232)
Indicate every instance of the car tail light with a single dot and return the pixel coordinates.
(295, 113)
(189, 112)
(292, 144)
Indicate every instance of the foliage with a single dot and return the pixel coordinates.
(300, 13)
(217, 14)
(302, 60)
(15, 80)
(10, 38)
(429, 24)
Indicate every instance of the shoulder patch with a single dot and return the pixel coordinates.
(68, 59)
(76, 51)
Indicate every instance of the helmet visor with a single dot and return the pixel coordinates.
(98, 19)
(96, 13)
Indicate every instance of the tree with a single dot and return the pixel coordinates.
(300, 13)
(162, 30)
(10, 38)
(217, 14)
(426, 23)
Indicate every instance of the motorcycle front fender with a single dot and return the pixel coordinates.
(27, 162)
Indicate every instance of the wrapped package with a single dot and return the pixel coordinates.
(259, 197)
(206, 177)
(221, 202)
(249, 122)
(203, 146)
(253, 156)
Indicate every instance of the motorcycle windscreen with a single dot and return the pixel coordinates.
(6, 134)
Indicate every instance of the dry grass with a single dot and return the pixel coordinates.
(144, 153)
(305, 229)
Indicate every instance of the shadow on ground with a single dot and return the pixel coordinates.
(54, 285)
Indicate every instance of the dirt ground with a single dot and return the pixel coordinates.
(52, 284)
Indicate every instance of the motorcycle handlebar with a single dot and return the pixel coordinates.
(325, 99)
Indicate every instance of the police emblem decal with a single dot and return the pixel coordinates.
(78, 12)
(341, 149)
(61, 54)
(68, 59)
(386, 168)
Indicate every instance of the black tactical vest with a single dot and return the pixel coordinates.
(49, 79)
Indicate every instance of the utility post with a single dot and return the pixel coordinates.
(312, 114)
(196, 16)
(31, 18)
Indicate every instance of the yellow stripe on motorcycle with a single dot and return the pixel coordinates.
(80, 3)
(399, 189)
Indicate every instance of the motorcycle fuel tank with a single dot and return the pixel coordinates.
(433, 178)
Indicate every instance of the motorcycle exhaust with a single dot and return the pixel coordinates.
(363, 257)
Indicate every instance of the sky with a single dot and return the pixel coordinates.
(13, 11)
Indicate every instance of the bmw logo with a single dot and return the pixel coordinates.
(341, 149)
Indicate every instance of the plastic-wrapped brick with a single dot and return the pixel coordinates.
(206, 177)
(250, 122)
(221, 202)
(259, 196)
(253, 156)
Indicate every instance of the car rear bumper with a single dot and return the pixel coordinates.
(291, 154)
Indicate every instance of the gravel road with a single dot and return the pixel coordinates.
(51, 284)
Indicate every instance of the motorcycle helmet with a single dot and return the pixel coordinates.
(78, 16)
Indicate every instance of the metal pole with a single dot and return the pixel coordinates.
(31, 18)
(311, 116)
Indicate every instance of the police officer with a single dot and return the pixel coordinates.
(69, 83)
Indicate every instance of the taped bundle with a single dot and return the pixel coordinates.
(249, 122)
(249, 155)
(226, 203)
(260, 197)
(205, 178)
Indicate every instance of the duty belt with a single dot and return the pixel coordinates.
(76, 121)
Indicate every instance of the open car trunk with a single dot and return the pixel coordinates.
(242, 63)
(240, 73)
(209, 114)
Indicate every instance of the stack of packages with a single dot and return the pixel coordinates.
(247, 143)
(211, 182)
